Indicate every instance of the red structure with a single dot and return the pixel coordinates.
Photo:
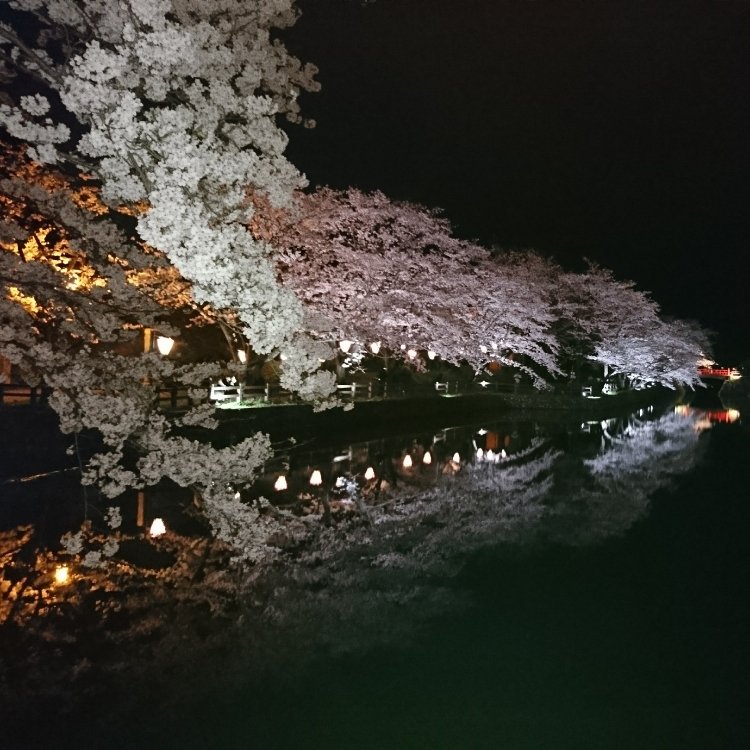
(717, 372)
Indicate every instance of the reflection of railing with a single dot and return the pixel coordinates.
(13, 393)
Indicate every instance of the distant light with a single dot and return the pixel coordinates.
(456, 458)
(412, 353)
(237, 495)
(481, 431)
(282, 357)
(503, 454)
(431, 354)
(407, 462)
(280, 484)
(483, 349)
(370, 473)
(484, 383)
(345, 345)
(242, 356)
(316, 479)
(340, 482)
(403, 347)
(157, 528)
(733, 415)
(375, 347)
(164, 344)
(62, 575)
(427, 458)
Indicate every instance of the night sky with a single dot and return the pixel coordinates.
(611, 130)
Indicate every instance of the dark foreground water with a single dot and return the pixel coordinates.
(592, 593)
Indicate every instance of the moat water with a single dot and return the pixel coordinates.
(560, 585)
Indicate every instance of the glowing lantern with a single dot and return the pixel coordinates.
(237, 495)
(456, 458)
(370, 473)
(62, 575)
(242, 356)
(407, 463)
(316, 478)
(412, 353)
(280, 483)
(164, 344)
(483, 349)
(375, 347)
(431, 354)
(403, 347)
(157, 528)
(427, 458)
(345, 345)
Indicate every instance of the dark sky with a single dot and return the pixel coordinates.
(616, 130)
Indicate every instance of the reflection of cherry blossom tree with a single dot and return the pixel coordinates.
(349, 587)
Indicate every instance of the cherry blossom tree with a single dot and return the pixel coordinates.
(369, 269)
(172, 105)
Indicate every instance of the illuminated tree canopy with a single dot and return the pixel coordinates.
(148, 182)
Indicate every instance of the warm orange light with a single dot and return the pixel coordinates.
(62, 575)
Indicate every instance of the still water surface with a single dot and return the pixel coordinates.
(588, 590)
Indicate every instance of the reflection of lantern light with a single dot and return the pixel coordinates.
(412, 353)
(407, 461)
(164, 344)
(456, 458)
(503, 454)
(427, 458)
(375, 347)
(345, 345)
(62, 575)
(431, 354)
(316, 479)
(237, 495)
(480, 453)
(490, 455)
(242, 356)
(157, 528)
(280, 483)
(370, 473)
